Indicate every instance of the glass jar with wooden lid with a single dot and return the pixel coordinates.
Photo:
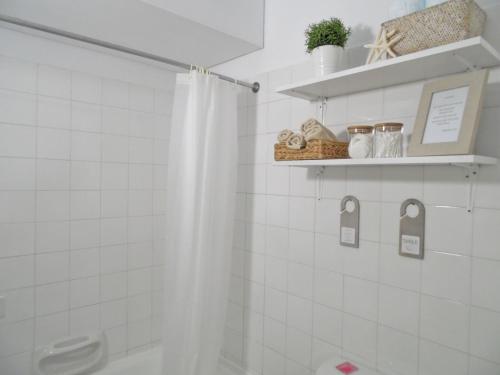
(388, 140)
(360, 141)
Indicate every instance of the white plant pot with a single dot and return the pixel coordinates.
(327, 59)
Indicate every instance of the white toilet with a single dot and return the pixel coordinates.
(339, 366)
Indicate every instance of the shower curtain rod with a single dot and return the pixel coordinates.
(66, 34)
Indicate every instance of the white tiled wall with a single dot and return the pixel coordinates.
(298, 297)
(82, 192)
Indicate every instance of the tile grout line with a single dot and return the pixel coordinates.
(287, 299)
(470, 295)
(70, 208)
(419, 291)
(100, 247)
(379, 268)
(35, 237)
(127, 322)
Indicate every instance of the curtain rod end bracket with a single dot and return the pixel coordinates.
(256, 87)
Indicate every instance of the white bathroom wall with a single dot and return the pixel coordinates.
(83, 158)
(286, 20)
(297, 296)
(284, 25)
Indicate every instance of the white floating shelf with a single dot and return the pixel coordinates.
(430, 63)
(458, 160)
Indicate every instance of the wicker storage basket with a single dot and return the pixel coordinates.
(314, 150)
(445, 23)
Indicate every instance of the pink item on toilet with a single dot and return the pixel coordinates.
(347, 368)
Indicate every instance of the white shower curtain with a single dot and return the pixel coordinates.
(200, 208)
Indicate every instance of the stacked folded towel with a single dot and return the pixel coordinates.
(309, 130)
(312, 129)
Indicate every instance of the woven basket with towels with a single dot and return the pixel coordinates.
(314, 142)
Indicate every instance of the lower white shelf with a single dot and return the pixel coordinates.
(458, 160)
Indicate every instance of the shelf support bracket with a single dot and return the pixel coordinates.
(319, 182)
(471, 173)
(469, 65)
(323, 106)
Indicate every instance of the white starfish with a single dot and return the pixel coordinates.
(382, 47)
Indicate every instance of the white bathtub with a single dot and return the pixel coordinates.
(149, 363)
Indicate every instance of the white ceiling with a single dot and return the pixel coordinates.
(190, 31)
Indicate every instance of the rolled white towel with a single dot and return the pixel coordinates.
(284, 135)
(312, 129)
(296, 142)
(306, 125)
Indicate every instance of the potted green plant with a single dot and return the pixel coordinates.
(325, 41)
